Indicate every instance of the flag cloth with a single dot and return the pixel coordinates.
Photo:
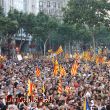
(60, 90)
(74, 68)
(67, 89)
(59, 51)
(30, 88)
(99, 59)
(50, 51)
(77, 57)
(62, 71)
(66, 56)
(86, 105)
(37, 72)
(56, 68)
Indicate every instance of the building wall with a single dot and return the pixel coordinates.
(31, 6)
(12, 4)
(52, 7)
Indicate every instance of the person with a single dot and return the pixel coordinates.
(92, 83)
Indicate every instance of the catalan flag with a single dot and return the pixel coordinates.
(77, 56)
(74, 68)
(86, 105)
(30, 88)
(60, 89)
(56, 68)
(62, 71)
(59, 51)
(37, 72)
(99, 59)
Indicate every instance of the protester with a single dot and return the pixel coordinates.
(91, 81)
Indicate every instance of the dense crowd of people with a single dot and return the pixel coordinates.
(92, 82)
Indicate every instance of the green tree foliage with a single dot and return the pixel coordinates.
(90, 14)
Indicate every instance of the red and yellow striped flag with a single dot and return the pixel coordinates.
(60, 89)
(59, 51)
(74, 68)
(99, 59)
(56, 68)
(38, 72)
(30, 88)
(62, 71)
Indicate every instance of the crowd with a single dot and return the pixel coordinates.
(92, 82)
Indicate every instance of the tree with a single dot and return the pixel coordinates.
(44, 27)
(87, 13)
(26, 23)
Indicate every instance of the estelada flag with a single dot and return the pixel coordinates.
(86, 105)
(30, 88)
(74, 68)
(37, 72)
(62, 71)
(59, 51)
(56, 68)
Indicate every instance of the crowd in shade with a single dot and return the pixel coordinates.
(31, 84)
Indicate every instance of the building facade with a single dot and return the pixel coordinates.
(8, 5)
(31, 6)
(49, 7)
(52, 7)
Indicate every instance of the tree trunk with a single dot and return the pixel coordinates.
(69, 47)
(14, 50)
(45, 46)
(65, 49)
(94, 46)
(44, 49)
(0, 49)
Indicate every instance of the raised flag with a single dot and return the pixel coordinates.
(37, 72)
(30, 88)
(74, 68)
(59, 51)
(62, 71)
(86, 105)
(56, 68)
(60, 89)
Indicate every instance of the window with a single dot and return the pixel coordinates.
(54, 4)
(59, 6)
(41, 4)
(41, 9)
(48, 4)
